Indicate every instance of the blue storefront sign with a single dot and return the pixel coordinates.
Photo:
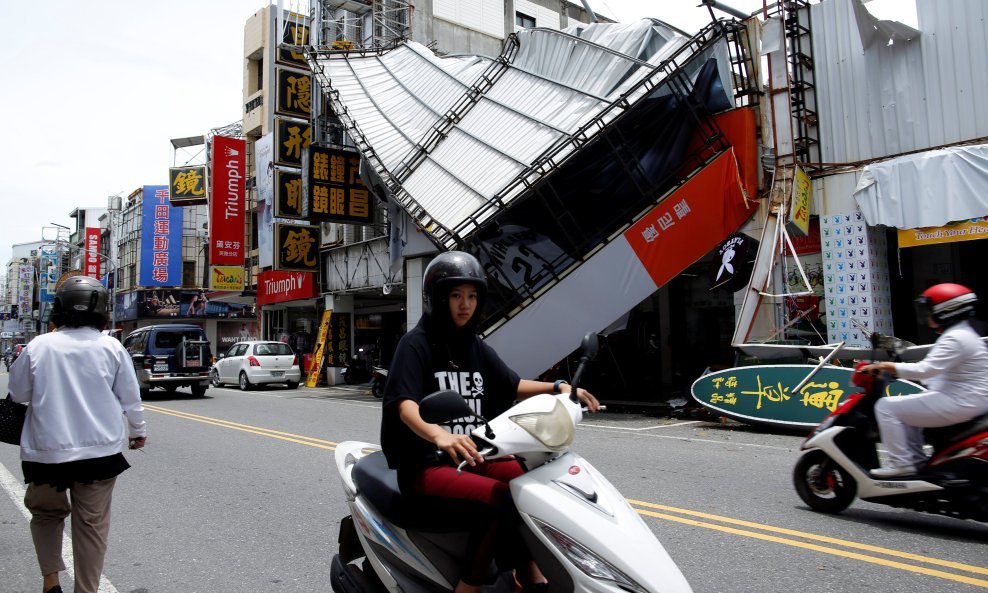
(161, 239)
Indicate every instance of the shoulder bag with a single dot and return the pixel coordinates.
(11, 420)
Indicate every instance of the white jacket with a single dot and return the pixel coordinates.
(78, 382)
(956, 366)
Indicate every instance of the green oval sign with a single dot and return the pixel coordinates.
(764, 394)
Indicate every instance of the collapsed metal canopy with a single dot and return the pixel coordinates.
(458, 138)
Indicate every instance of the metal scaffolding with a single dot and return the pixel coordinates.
(346, 24)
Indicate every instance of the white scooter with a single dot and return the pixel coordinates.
(582, 532)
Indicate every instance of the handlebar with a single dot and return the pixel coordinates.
(483, 452)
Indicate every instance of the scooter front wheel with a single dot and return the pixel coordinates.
(822, 483)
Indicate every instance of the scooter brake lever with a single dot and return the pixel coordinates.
(485, 452)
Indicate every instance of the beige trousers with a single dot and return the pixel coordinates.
(90, 510)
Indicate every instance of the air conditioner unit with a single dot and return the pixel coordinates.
(330, 233)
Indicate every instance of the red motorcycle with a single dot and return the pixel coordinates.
(839, 453)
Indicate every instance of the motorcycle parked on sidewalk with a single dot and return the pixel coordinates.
(834, 468)
(582, 532)
(357, 372)
(379, 376)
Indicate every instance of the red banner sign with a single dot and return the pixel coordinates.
(691, 221)
(227, 202)
(275, 286)
(92, 253)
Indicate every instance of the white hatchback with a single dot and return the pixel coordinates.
(256, 362)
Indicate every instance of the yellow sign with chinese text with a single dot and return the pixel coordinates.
(799, 214)
(765, 394)
(966, 230)
(315, 365)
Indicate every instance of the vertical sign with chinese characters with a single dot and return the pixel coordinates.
(226, 202)
(338, 341)
(187, 185)
(291, 139)
(296, 32)
(288, 198)
(293, 94)
(92, 254)
(161, 238)
(297, 247)
(336, 191)
(25, 291)
(799, 213)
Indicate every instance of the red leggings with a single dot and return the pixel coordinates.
(484, 487)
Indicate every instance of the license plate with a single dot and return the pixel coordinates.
(277, 373)
(161, 368)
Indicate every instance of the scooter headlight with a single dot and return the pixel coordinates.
(553, 429)
(591, 564)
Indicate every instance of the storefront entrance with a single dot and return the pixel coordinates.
(913, 269)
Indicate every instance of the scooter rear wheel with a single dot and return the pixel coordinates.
(822, 484)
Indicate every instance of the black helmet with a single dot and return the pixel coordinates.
(447, 270)
(947, 303)
(80, 300)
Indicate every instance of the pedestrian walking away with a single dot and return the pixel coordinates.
(77, 381)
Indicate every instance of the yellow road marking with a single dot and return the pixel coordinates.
(822, 538)
(275, 434)
(331, 445)
(818, 548)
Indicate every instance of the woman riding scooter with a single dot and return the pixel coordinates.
(955, 371)
(443, 352)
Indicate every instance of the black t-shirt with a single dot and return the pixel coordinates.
(424, 365)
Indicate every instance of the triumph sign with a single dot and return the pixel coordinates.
(275, 286)
(226, 202)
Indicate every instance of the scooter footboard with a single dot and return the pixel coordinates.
(572, 509)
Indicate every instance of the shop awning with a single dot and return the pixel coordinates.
(928, 189)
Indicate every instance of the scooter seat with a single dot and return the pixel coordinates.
(378, 483)
(940, 437)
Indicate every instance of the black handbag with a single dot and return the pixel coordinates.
(11, 420)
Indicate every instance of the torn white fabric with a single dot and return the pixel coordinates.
(926, 189)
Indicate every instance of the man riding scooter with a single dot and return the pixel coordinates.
(955, 371)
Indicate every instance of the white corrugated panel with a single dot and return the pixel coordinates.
(889, 99)
(555, 84)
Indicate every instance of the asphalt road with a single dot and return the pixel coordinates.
(238, 492)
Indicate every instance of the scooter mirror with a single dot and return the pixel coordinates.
(590, 346)
(443, 406)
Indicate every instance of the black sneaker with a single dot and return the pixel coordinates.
(55, 589)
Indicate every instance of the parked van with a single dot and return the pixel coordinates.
(170, 356)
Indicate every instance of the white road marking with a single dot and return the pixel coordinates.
(694, 439)
(13, 487)
(596, 425)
